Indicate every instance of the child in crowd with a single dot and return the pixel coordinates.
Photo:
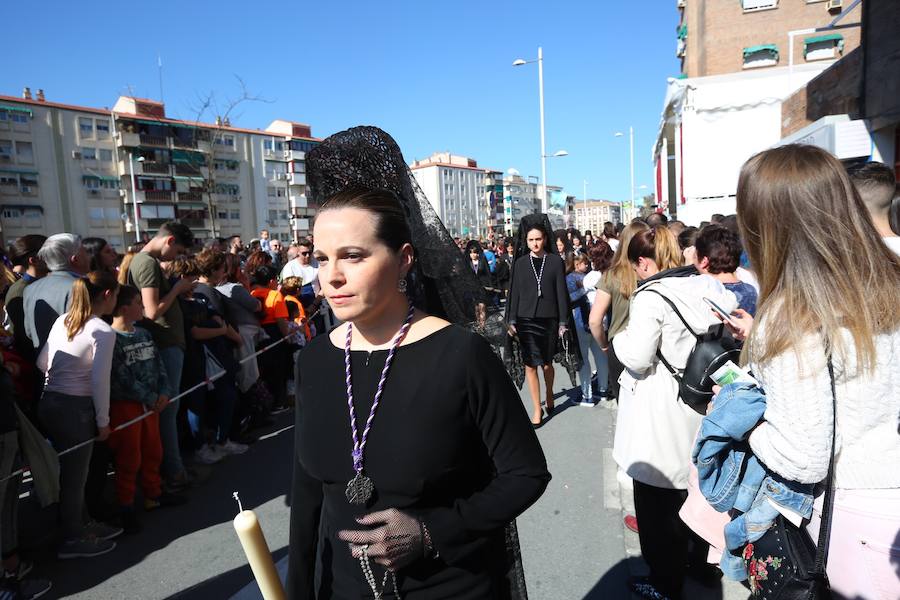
(138, 385)
(273, 365)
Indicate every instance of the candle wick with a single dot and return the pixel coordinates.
(236, 497)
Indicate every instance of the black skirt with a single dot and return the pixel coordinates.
(538, 338)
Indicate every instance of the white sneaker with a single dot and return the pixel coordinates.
(208, 455)
(586, 402)
(230, 447)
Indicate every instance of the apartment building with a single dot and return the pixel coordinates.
(590, 215)
(741, 60)
(459, 191)
(120, 173)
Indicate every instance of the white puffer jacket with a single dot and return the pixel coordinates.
(655, 430)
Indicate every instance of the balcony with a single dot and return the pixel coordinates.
(128, 140)
(297, 202)
(154, 196)
(153, 140)
(145, 168)
(190, 196)
(296, 154)
(297, 178)
(187, 170)
(276, 155)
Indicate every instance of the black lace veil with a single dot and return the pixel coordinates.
(367, 157)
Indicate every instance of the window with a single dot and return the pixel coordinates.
(18, 117)
(270, 191)
(112, 213)
(95, 214)
(228, 189)
(299, 167)
(102, 129)
(157, 211)
(750, 5)
(280, 192)
(222, 214)
(11, 213)
(225, 140)
(4, 115)
(823, 47)
(5, 148)
(273, 216)
(24, 153)
(105, 155)
(91, 183)
(283, 215)
(110, 184)
(764, 55)
(88, 153)
(86, 127)
(9, 180)
(235, 215)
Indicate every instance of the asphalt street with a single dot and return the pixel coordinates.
(573, 541)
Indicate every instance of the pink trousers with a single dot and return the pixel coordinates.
(864, 552)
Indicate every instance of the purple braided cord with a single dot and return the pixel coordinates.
(359, 447)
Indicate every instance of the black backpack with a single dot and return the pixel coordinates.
(713, 349)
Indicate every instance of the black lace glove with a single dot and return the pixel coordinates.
(395, 542)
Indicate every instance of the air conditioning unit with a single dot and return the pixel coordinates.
(281, 176)
(834, 6)
(76, 154)
(287, 155)
(26, 189)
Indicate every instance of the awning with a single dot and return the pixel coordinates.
(100, 177)
(682, 32)
(145, 122)
(773, 48)
(18, 171)
(199, 180)
(837, 38)
(23, 206)
(27, 111)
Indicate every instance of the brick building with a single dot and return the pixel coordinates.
(741, 60)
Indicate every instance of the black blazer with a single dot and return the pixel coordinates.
(523, 299)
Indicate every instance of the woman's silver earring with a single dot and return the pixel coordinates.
(402, 286)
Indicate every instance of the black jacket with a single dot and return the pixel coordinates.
(523, 299)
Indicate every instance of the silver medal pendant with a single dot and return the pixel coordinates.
(359, 490)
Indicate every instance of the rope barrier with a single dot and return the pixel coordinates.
(146, 414)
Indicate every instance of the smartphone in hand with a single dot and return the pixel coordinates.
(720, 311)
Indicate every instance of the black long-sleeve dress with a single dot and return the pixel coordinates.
(450, 444)
(535, 317)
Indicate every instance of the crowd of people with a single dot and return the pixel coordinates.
(169, 356)
(155, 363)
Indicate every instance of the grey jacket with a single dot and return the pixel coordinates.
(45, 300)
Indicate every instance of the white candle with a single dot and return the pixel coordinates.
(249, 532)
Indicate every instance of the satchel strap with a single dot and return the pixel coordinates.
(825, 523)
(675, 372)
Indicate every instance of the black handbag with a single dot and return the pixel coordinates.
(784, 564)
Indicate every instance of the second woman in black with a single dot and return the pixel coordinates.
(537, 308)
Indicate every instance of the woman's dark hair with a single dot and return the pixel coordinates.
(127, 294)
(609, 231)
(256, 260)
(721, 247)
(232, 267)
(391, 227)
(25, 248)
(687, 237)
(562, 234)
(601, 256)
(474, 245)
(263, 275)
(94, 247)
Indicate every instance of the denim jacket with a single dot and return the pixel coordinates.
(732, 478)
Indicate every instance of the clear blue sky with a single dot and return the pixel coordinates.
(435, 75)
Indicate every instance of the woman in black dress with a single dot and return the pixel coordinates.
(537, 309)
(479, 266)
(412, 453)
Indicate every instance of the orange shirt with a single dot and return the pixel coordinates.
(301, 316)
(273, 303)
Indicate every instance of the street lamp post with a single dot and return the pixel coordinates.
(137, 218)
(631, 163)
(540, 61)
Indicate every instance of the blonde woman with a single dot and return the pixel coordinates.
(613, 292)
(77, 359)
(655, 430)
(828, 281)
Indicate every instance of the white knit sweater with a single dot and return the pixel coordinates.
(795, 438)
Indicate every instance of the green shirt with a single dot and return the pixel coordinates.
(618, 318)
(168, 328)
